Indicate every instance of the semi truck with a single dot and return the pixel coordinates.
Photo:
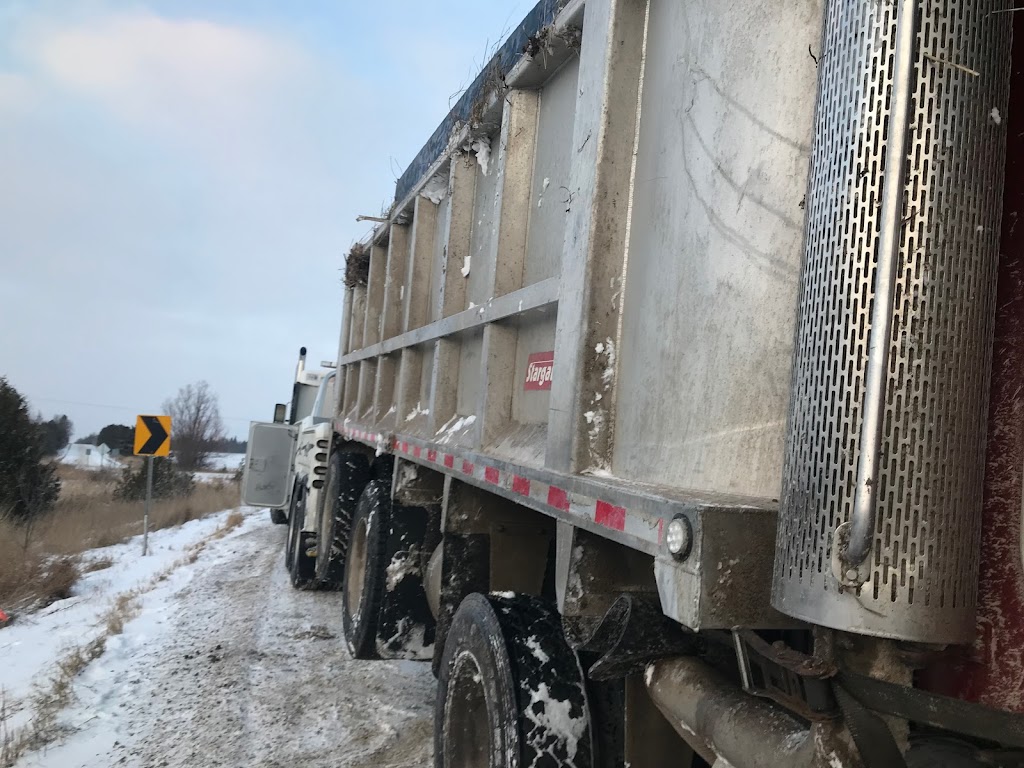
(679, 393)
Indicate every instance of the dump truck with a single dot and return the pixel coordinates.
(679, 393)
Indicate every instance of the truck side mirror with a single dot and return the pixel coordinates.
(279, 412)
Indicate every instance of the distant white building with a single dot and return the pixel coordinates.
(89, 457)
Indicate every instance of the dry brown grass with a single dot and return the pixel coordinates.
(231, 522)
(30, 575)
(99, 564)
(40, 564)
(125, 608)
(52, 696)
(46, 703)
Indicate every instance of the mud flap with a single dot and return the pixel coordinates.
(405, 626)
(633, 633)
(465, 569)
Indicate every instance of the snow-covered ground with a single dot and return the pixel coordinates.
(93, 461)
(226, 462)
(222, 466)
(224, 665)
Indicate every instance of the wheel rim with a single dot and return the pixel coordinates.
(355, 567)
(467, 727)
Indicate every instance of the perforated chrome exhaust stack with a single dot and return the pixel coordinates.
(880, 512)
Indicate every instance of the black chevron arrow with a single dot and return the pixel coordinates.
(157, 435)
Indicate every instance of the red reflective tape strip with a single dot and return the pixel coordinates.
(431, 454)
(558, 499)
(417, 451)
(610, 516)
(467, 467)
(491, 475)
(449, 460)
(521, 485)
(661, 530)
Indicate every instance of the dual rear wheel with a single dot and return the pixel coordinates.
(316, 560)
(365, 571)
(347, 476)
(301, 567)
(510, 692)
(384, 602)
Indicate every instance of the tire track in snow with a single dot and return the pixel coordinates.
(280, 690)
(239, 669)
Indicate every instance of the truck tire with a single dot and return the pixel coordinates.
(278, 517)
(511, 691)
(289, 541)
(405, 623)
(302, 567)
(365, 567)
(347, 476)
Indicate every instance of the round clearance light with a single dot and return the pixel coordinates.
(679, 537)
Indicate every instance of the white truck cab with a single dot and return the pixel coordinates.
(286, 459)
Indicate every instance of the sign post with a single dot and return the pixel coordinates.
(152, 438)
(149, 503)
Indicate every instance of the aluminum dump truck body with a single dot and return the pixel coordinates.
(499, 323)
(682, 322)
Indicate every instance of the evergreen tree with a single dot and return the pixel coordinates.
(169, 482)
(55, 434)
(117, 436)
(27, 486)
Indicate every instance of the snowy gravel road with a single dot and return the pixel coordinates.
(232, 667)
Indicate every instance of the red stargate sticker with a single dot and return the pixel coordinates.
(540, 366)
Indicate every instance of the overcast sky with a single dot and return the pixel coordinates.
(179, 181)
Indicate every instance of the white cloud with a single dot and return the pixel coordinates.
(176, 194)
(16, 93)
(207, 85)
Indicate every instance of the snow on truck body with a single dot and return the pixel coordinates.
(682, 321)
